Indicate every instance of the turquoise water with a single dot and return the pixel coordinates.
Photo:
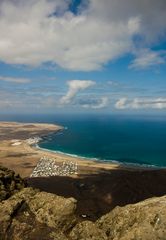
(124, 139)
(127, 139)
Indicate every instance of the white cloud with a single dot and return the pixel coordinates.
(121, 103)
(137, 103)
(14, 80)
(147, 58)
(100, 103)
(38, 31)
(74, 87)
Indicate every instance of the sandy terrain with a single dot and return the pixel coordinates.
(15, 153)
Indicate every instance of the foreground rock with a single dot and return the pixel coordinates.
(34, 215)
(145, 220)
(142, 221)
(10, 183)
(87, 230)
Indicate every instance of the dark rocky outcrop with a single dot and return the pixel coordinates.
(10, 183)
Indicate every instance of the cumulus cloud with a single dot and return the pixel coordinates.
(74, 87)
(95, 103)
(147, 58)
(38, 31)
(14, 80)
(121, 103)
(136, 103)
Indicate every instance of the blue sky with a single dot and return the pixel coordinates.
(83, 56)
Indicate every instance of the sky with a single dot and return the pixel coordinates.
(92, 56)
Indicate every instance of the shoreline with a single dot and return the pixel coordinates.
(24, 157)
(102, 161)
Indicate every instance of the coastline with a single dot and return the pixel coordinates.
(102, 161)
(24, 157)
(84, 157)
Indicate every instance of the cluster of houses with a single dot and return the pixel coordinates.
(33, 140)
(47, 167)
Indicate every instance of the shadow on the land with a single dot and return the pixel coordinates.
(99, 193)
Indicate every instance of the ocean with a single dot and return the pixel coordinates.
(125, 139)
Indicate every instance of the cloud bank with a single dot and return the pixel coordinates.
(136, 103)
(40, 31)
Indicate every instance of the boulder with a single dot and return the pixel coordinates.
(55, 211)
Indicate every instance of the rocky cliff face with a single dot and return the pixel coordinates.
(33, 215)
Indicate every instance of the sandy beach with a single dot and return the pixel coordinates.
(98, 187)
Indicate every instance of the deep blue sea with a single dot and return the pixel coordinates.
(126, 139)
